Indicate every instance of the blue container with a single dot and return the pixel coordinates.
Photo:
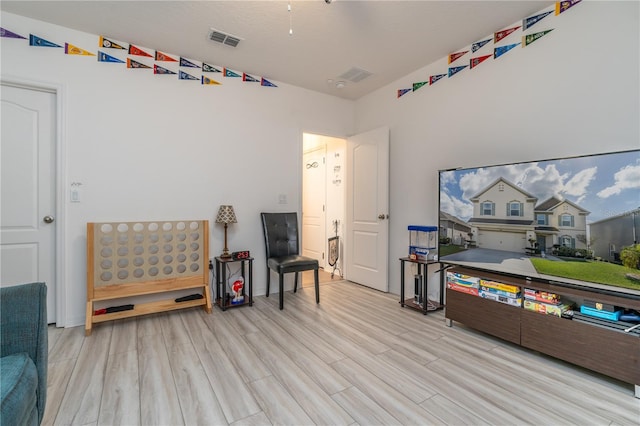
(423, 241)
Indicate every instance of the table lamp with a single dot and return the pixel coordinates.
(226, 215)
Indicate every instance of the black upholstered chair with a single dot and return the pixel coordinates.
(283, 255)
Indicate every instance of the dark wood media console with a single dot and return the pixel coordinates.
(608, 350)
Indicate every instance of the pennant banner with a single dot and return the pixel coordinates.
(209, 68)
(10, 34)
(229, 73)
(247, 77)
(265, 82)
(135, 64)
(103, 57)
(70, 49)
(454, 56)
(530, 22)
(133, 50)
(157, 69)
(474, 62)
(499, 51)
(402, 92)
(435, 78)
(37, 41)
(207, 80)
(104, 42)
(502, 34)
(187, 63)
(416, 86)
(478, 45)
(165, 58)
(184, 76)
(455, 70)
(528, 39)
(562, 6)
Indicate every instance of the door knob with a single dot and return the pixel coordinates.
(48, 219)
(382, 216)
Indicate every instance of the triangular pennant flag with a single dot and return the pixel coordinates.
(207, 80)
(478, 45)
(435, 78)
(531, 21)
(502, 34)
(474, 62)
(562, 6)
(402, 92)
(454, 56)
(70, 49)
(133, 50)
(209, 68)
(187, 63)
(265, 82)
(103, 57)
(37, 41)
(184, 76)
(157, 69)
(229, 73)
(499, 51)
(105, 42)
(247, 77)
(135, 64)
(10, 34)
(528, 39)
(455, 70)
(416, 86)
(164, 57)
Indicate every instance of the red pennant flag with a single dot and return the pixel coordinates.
(163, 57)
(434, 78)
(454, 56)
(474, 62)
(402, 92)
(133, 50)
(247, 77)
(502, 34)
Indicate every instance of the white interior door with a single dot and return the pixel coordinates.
(27, 206)
(367, 223)
(313, 205)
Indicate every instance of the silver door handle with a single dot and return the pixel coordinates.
(48, 219)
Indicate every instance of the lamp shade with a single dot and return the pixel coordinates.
(226, 215)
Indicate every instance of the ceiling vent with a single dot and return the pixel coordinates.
(355, 75)
(224, 38)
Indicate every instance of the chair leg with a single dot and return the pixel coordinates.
(268, 280)
(315, 278)
(295, 283)
(281, 291)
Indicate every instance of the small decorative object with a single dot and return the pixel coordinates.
(237, 287)
(226, 215)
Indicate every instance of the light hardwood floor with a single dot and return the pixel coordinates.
(356, 358)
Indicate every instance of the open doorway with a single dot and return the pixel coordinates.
(323, 202)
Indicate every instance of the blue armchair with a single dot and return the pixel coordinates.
(23, 354)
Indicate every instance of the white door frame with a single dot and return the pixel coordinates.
(60, 213)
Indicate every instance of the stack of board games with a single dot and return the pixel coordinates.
(462, 283)
(544, 302)
(600, 310)
(499, 292)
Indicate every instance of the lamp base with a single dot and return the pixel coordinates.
(225, 255)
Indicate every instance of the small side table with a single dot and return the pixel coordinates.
(221, 281)
(423, 270)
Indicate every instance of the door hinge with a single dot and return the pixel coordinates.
(322, 255)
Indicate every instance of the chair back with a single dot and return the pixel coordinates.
(280, 234)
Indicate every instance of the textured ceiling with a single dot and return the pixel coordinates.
(390, 39)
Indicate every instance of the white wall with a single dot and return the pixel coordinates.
(149, 147)
(575, 91)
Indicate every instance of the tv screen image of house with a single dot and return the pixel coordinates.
(568, 219)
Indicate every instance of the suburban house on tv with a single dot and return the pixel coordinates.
(506, 217)
(612, 234)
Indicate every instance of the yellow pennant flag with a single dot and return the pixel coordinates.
(207, 80)
(70, 49)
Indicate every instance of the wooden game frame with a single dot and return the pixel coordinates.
(129, 259)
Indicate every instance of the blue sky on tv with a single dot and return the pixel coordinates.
(606, 185)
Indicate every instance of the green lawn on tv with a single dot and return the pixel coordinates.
(599, 272)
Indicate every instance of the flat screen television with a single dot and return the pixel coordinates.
(565, 220)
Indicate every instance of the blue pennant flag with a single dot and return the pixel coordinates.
(478, 45)
(184, 76)
(229, 73)
(37, 41)
(187, 63)
(103, 57)
(455, 70)
(499, 51)
(402, 92)
(531, 21)
(267, 83)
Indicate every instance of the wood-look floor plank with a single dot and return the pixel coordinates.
(58, 375)
(124, 336)
(364, 410)
(278, 405)
(120, 403)
(450, 412)
(67, 345)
